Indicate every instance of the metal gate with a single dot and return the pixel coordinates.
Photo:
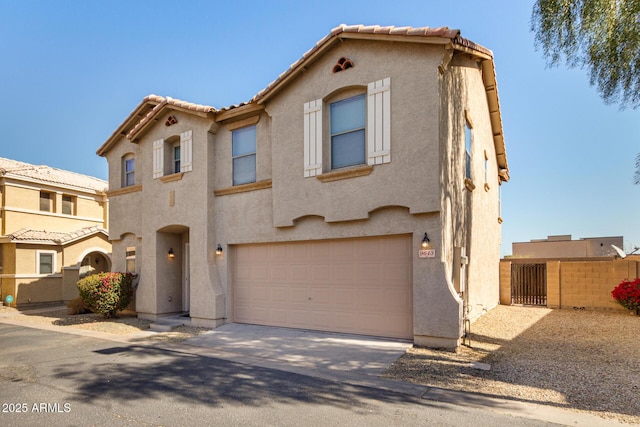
(529, 284)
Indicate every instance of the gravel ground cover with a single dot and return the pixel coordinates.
(124, 323)
(575, 359)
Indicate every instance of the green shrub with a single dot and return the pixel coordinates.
(106, 293)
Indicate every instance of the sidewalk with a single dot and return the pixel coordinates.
(319, 355)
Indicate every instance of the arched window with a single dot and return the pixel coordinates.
(128, 170)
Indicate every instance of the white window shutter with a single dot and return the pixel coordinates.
(313, 138)
(379, 122)
(158, 160)
(186, 153)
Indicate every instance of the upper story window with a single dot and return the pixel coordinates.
(243, 154)
(128, 170)
(176, 158)
(359, 130)
(467, 147)
(172, 155)
(348, 120)
(467, 151)
(68, 205)
(46, 201)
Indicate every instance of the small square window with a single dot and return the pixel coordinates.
(243, 154)
(348, 120)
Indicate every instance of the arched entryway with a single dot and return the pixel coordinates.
(94, 262)
(173, 269)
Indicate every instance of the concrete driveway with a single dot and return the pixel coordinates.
(306, 350)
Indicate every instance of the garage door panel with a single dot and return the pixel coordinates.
(351, 285)
(299, 272)
(280, 294)
(396, 299)
(279, 272)
(321, 272)
(343, 273)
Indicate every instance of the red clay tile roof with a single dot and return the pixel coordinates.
(364, 31)
(162, 103)
(48, 175)
(438, 35)
(26, 235)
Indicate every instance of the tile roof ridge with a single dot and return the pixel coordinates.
(162, 102)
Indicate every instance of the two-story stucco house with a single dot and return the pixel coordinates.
(358, 192)
(52, 230)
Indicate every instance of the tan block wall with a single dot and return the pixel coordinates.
(553, 284)
(589, 284)
(578, 284)
(505, 282)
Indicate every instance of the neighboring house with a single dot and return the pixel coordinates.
(308, 206)
(52, 231)
(564, 247)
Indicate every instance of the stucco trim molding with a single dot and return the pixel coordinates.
(124, 190)
(345, 173)
(260, 185)
(172, 177)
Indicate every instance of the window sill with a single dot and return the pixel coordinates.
(172, 177)
(124, 190)
(345, 173)
(243, 188)
(469, 184)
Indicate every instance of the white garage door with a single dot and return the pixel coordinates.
(361, 286)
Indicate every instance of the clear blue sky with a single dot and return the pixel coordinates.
(71, 71)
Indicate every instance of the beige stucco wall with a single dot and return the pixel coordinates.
(414, 135)
(168, 214)
(22, 210)
(469, 212)
(20, 278)
(400, 197)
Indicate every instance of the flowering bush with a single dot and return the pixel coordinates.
(627, 294)
(106, 293)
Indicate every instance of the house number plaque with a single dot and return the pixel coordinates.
(427, 253)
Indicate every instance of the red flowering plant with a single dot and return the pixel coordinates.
(627, 294)
(106, 293)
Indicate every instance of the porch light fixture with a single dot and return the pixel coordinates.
(219, 250)
(171, 254)
(425, 241)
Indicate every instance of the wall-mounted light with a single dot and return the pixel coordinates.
(171, 254)
(219, 250)
(426, 241)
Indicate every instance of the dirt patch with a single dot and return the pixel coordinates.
(580, 360)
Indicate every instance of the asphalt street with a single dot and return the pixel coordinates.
(56, 379)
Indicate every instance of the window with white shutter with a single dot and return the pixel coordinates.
(158, 158)
(186, 153)
(346, 131)
(313, 138)
(379, 122)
